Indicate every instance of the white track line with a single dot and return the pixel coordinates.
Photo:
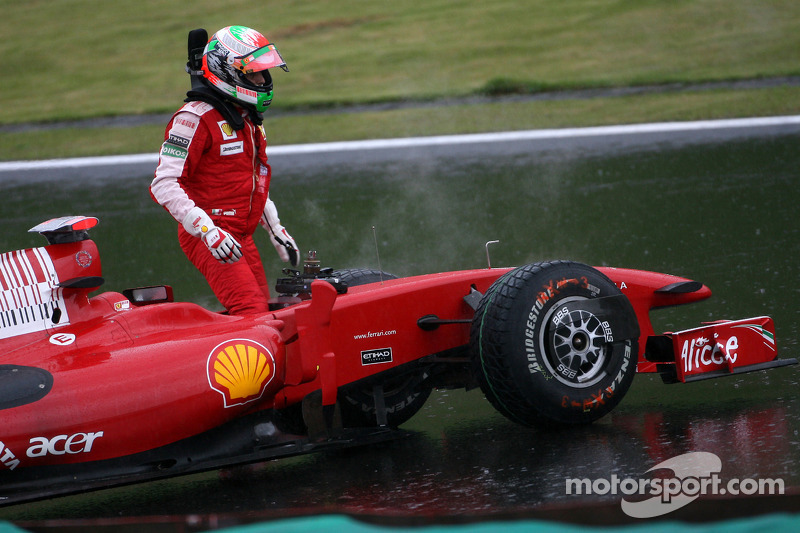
(437, 140)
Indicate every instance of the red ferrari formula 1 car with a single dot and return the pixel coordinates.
(125, 387)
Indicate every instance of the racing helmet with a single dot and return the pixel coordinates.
(233, 52)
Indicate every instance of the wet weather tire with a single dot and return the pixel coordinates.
(554, 343)
(403, 397)
(355, 408)
(361, 276)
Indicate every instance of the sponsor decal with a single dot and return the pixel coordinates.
(62, 339)
(84, 259)
(231, 148)
(196, 225)
(170, 150)
(372, 357)
(124, 305)
(63, 444)
(240, 370)
(192, 125)
(223, 212)
(247, 35)
(549, 291)
(177, 140)
(7, 457)
(227, 130)
(213, 239)
(373, 334)
(246, 92)
(702, 352)
(724, 345)
(29, 293)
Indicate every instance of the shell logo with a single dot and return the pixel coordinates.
(227, 130)
(240, 370)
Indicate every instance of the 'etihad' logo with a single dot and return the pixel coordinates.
(372, 357)
(240, 370)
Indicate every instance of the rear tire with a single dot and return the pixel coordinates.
(554, 342)
(361, 276)
(290, 419)
(404, 395)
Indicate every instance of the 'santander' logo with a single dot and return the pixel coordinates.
(240, 370)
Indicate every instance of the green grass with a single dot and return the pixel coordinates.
(75, 59)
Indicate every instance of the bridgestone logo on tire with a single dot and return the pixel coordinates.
(530, 340)
(553, 342)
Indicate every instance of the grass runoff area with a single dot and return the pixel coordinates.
(362, 69)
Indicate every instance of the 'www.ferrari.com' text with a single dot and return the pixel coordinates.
(371, 334)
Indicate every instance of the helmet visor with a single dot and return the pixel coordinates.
(261, 59)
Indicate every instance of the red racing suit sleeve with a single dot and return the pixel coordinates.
(185, 140)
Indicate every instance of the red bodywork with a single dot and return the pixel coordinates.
(129, 376)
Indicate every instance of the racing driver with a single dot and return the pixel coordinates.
(213, 176)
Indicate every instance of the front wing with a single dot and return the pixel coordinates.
(716, 349)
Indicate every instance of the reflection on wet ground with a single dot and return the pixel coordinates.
(463, 461)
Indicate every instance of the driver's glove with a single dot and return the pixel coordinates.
(280, 238)
(219, 242)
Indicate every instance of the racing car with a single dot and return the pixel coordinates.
(121, 387)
